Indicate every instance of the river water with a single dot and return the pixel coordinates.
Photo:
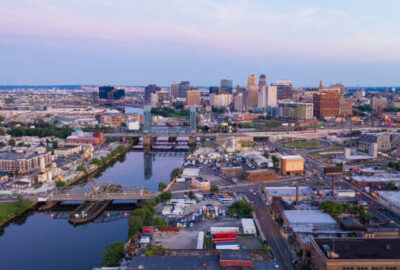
(43, 242)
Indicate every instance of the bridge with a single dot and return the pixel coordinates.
(289, 133)
(96, 191)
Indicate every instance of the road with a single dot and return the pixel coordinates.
(271, 230)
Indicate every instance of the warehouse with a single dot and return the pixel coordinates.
(308, 219)
(288, 193)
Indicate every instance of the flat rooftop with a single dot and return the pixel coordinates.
(377, 178)
(288, 191)
(391, 196)
(359, 249)
(292, 157)
(308, 217)
(16, 155)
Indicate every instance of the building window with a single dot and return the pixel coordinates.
(362, 268)
(391, 268)
(376, 268)
(348, 268)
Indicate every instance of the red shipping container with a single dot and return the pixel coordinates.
(223, 240)
(225, 235)
(148, 230)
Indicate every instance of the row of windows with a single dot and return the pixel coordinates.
(372, 268)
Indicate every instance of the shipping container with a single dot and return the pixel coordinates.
(214, 230)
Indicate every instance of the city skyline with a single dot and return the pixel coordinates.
(104, 42)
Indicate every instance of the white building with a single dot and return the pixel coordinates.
(222, 100)
(248, 226)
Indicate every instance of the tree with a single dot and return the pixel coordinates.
(241, 208)
(113, 254)
(174, 173)
(275, 161)
(214, 189)
(355, 133)
(2, 132)
(266, 154)
(161, 186)
(55, 144)
(190, 194)
(21, 144)
(135, 224)
(11, 142)
(390, 186)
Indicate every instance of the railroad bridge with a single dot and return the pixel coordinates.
(98, 191)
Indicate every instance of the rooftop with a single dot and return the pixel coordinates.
(377, 178)
(391, 196)
(17, 155)
(176, 262)
(292, 157)
(308, 217)
(288, 191)
(353, 249)
(234, 255)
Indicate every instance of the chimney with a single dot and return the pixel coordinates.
(333, 186)
(297, 195)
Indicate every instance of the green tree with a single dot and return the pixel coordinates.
(161, 186)
(174, 173)
(11, 142)
(55, 144)
(275, 161)
(214, 189)
(266, 154)
(241, 208)
(135, 224)
(190, 194)
(390, 186)
(113, 254)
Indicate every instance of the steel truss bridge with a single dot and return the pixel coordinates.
(98, 191)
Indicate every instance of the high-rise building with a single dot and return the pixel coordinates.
(151, 88)
(326, 104)
(295, 110)
(345, 107)
(272, 94)
(339, 86)
(262, 81)
(252, 89)
(109, 93)
(214, 90)
(174, 89)
(238, 103)
(226, 86)
(284, 89)
(147, 119)
(222, 100)
(262, 97)
(193, 98)
(184, 86)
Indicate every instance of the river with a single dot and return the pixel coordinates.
(43, 242)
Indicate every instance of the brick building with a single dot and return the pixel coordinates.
(260, 176)
(95, 138)
(326, 104)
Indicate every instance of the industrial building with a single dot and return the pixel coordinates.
(295, 110)
(381, 139)
(262, 175)
(288, 193)
(95, 138)
(308, 220)
(350, 253)
(390, 199)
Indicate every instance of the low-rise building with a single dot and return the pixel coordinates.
(67, 150)
(263, 175)
(355, 253)
(291, 164)
(308, 220)
(200, 183)
(95, 138)
(390, 199)
(295, 110)
(288, 193)
(381, 139)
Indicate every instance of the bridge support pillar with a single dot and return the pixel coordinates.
(147, 143)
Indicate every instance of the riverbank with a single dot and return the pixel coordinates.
(12, 211)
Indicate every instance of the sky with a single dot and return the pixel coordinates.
(138, 42)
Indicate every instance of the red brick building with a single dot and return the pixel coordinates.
(95, 138)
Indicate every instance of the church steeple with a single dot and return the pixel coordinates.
(320, 87)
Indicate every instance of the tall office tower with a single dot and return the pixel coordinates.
(262, 97)
(147, 119)
(226, 86)
(252, 89)
(184, 86)
(238, 104)
(326, 104)
(262, 81)
(284, 89)
(213, 90)
(151, 88)
(272, 96)
(193, 119)
(193, 98)
(174, 89)
(239, 89)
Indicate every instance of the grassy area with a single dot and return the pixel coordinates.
(303, 144)
(11, 209)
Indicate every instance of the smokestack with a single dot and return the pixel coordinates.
(297, 195)
(333, 186)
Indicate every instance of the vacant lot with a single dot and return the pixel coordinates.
(303, 144)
